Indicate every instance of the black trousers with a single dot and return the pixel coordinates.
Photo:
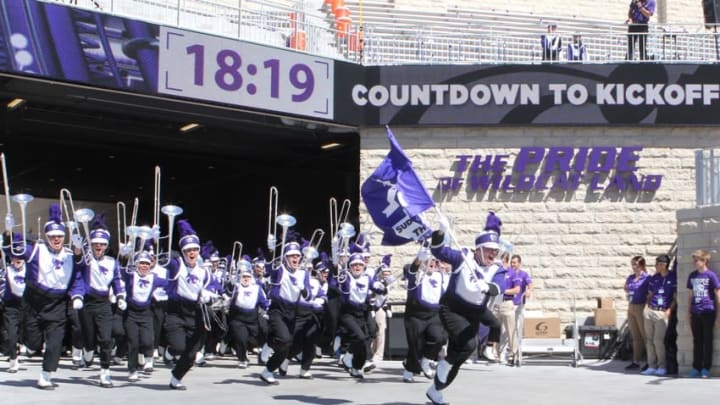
(637, 34)
(13, 316)
(244, 332)
(140, 332)
(185, 333)
(307, 334)
(356, 333)
(45, 322)
(670, 340)
(281, 331)
(159, 308)
(217, 332)
(96, 319)
(425, 337)
(75, 329)
(462, 325)
(702, 329)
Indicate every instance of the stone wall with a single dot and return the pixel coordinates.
(686, 12)
(575, 244)
(698, 228)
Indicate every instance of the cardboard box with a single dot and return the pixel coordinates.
(605, 317)
(605, 303)
(541, 328)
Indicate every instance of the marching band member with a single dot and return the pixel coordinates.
(381, 308)
(12, 299)
(211, 258)
(474, 281)
(99, 272)
(158, 306)
(424, 331)
(247, 297)
(354, 313)
(261, 279)
(307, 327)
(139, 327)
(287, 283)
(189, 287)
(51, 277)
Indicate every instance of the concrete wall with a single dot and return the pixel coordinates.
(573, 244)
(698, 228)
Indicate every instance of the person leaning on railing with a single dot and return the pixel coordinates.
(639, 15)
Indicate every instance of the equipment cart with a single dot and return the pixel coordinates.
(548, 350)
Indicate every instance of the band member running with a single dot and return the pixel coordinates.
(287, 283)
(51, 277)
(140, 284)
(12, 298)
(475, 279)
(190, 286)
(100, 272)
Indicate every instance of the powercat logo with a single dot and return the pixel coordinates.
(542, 329)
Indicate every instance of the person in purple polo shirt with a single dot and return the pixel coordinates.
(661, 298)
(636, 291)
(639, 15)
(704, 293)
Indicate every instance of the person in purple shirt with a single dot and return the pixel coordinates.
(506, 313)
(661, 298)
(636, 292)
(639, 15)
(704, 293)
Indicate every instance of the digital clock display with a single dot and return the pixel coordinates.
(227, 71)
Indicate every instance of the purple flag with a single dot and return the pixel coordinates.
(395, 196)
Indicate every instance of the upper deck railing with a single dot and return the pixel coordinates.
(390, 36)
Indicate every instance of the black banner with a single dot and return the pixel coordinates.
(557, 94)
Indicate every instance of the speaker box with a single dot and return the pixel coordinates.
(711, 11)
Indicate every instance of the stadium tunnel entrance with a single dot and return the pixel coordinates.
(104, 146)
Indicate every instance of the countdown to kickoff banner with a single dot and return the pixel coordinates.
(224, 70)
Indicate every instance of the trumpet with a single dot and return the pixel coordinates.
(284, 220)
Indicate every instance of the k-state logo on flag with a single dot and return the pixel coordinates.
(395, 197)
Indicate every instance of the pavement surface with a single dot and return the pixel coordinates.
(221, 382)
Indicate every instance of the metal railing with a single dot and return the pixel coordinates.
(384, 42)
(707, 177)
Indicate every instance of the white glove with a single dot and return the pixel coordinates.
(271, 241)
(160, 294)
(443, 223)
(423, 254)
(378, 285)
(76, 241)
(112, 298)
(265, 316)
(125, 250)
(388, 313)
(77, 304)
(206, 296)
(318, 302)
(121, 304)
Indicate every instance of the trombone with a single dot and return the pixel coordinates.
(172, 211)
(21, 199)
(311, 252)
(284, 220)
(337, 218)
(82, 216)
(232, 267)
